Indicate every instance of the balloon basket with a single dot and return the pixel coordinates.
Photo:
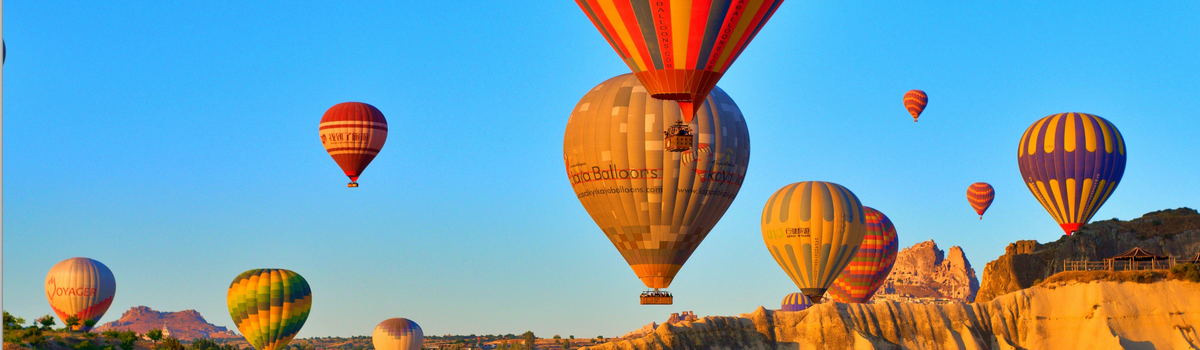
(352, 184)
(678, 137)
(657, 298)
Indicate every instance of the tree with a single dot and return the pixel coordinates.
(566, 344)
(46, 321)
(12, 322)
(154, 335)
(127, 338)
(171, 343)
(71, 322)
(88, 325)
(530, 340)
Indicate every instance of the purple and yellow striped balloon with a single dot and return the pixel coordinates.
(871, 265)
(980, 195)
(1072, 162)
(795, 302)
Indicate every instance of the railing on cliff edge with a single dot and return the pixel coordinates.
(1119, 265)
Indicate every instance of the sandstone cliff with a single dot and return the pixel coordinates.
(924, 271)
(1097, 315)
(1175, 233)
(184, 325)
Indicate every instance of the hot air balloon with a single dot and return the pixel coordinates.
(813, 229)
(1072, 162)
(269, 306)
(679, 49)
(914, 101)
(980, 194)
(353, 133)
(871, 265)
(655, 206)
(795, 302)
(397, 334)
(80, 287)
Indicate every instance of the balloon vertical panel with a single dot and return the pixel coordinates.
(654, 206)
(813, 229)
(269, 306)
(1071, 163)
(80, 287)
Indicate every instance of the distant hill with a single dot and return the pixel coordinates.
(184, 325)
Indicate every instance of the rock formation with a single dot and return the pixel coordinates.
(924, 271)
(184, 325)
(1175, 233)
(686, 316)
(1096, 315)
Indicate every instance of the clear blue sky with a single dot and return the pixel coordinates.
(177, 143)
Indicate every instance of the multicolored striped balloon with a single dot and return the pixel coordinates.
(269, 306)
(353, 133)
(80, 287)
(915, 101)
(871, 265)
(813, 229)
(980, 195)
(397, 334)
(1072, 162)
(679, 49)
(655, 206)
(795, 302)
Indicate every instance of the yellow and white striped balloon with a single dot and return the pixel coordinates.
(813, 229)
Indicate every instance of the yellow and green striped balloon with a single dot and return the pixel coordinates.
(269, 306)
(813, 229)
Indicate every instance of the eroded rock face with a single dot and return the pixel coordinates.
(1097, 315)
(184, 325)
(1172, 232)
(924, 271)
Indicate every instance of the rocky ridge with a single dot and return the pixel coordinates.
(184, 325)
(1171, 232)
(1096, 315)
(925, 271)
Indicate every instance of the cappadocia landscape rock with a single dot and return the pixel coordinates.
(925, 272)
(185, 325)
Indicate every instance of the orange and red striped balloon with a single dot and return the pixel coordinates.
(869, 268)
(679, 49)
(353, 133)
(915, 101)
(980, 194)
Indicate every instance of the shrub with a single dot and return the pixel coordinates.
(1144, 277)
(86, 345)
(1186, 272)
(171, 343)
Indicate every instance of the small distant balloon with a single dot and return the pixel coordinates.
(795, 302)
(353, 133)
(915, 101)
(269, 306)
(980, 195)
(397, 334)
(80, 287)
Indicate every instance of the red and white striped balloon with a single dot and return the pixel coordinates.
(353, 133)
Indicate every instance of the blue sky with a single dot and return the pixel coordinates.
(177, 144)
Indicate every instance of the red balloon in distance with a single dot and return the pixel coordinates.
(353, 133)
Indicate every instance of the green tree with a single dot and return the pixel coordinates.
(12, 322)
(154, 335)
(86, 345)
(171, 343)
(566, 344)
(88, 325)
(71, 322)
(127, 338)
(530, 340)
(46, 321)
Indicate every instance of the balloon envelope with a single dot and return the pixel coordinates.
(654, 206)
(813, 229)
(980, 195)
(269, 306)
(353, 133)
(80, 287)
(795, 302)
(679, 49)
(915, 101)
(397, 334)
(869, 268)
(1072, 162)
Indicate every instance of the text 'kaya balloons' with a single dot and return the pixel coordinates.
(80, 287)
(914, 102)
(269, 306)
(353, 133)
(397, 334)
(795, 302)
(813, 229)
(655, 206)
(1072, 162)
(871, 264)
(980, 195)
(679, 49)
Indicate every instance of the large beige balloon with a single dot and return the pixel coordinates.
(813, 229)
(80, 287)
(655, 206)
(397, 334)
